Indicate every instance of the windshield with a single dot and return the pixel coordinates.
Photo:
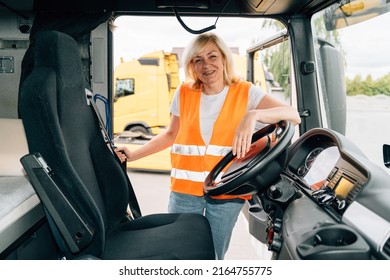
(362, 39)
(144, 89)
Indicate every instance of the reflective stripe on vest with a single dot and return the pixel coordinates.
(192, 150)
(192, 175)
(191, 159)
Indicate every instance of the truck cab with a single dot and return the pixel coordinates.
(144, 88)
(322, 194)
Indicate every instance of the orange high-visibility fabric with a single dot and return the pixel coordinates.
(198, 159)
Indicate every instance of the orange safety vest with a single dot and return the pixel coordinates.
(191, 159)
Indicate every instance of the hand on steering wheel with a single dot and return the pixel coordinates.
(260, 167)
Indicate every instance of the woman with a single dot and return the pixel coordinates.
(214, 113)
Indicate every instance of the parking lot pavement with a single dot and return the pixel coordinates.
(152, 190)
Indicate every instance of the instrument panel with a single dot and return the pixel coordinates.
(328, 177)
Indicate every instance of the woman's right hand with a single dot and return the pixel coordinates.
(122, 153)
(243, 136)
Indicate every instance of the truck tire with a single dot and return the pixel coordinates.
(139, 128)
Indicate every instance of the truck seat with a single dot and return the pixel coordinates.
(64, 130)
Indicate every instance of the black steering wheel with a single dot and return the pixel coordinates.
(260, 167)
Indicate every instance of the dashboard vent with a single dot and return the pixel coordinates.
(386, 248)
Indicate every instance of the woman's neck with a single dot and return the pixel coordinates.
(212, 89)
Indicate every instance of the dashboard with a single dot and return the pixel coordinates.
(329, 177)
(330, 203)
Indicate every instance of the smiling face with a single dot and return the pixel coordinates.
(208, 65)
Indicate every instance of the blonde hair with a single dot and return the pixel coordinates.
(196, 46)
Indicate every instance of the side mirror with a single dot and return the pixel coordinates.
(335, 89)
(347, 12)
(386, 155)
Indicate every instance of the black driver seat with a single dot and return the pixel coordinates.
(62, 127)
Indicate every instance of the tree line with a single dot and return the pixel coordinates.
(368, 86)
(277, 61)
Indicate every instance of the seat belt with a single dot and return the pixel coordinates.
(133, 203)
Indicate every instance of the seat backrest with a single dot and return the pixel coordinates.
(62, 127)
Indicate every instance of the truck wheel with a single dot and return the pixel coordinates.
(139, 128)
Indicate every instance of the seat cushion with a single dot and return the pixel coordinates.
(162, 237)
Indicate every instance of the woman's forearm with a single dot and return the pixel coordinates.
(156, 144)
(276, 114)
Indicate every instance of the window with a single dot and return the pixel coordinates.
(137, 40)
(364, 71)
(124, 87)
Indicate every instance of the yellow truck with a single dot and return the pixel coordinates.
(143, 91)
(144, 88)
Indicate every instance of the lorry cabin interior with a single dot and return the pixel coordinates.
(56, 169)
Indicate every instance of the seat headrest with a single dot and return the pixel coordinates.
(60, 52)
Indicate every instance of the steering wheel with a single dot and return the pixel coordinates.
(260, 167)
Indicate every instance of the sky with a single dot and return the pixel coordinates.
(168, 33)
(368, 46)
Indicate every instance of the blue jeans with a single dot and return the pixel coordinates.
(222, 215)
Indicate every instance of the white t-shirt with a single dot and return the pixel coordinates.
(210, 107)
